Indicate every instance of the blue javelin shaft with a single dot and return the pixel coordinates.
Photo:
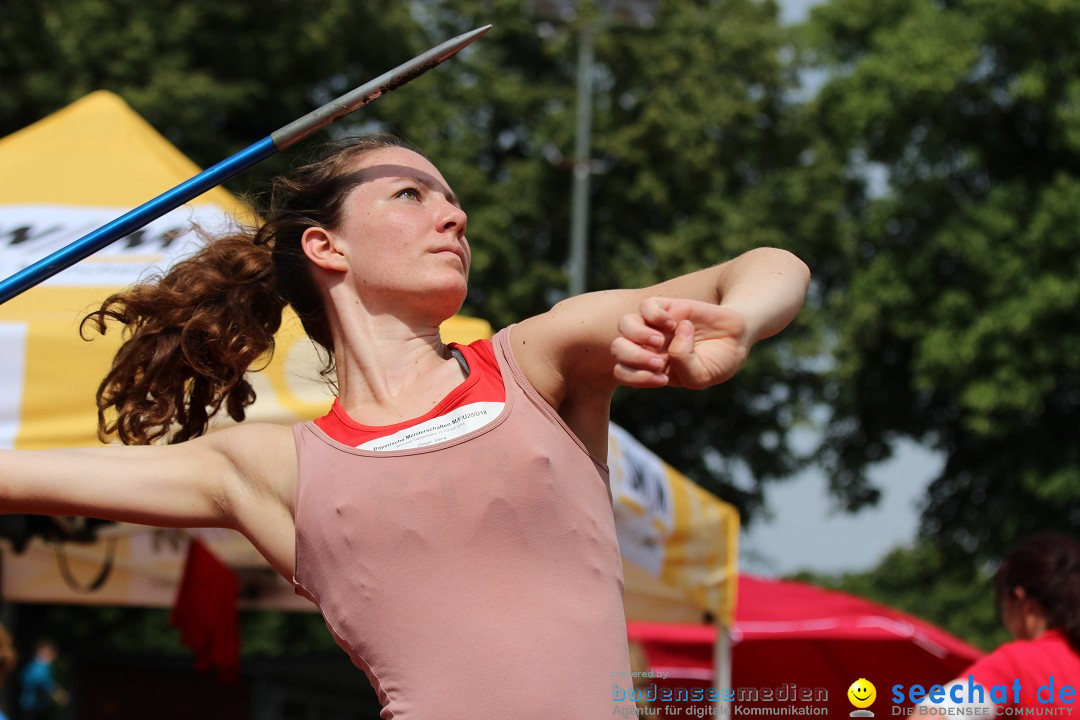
(232, 166)
(132, 220)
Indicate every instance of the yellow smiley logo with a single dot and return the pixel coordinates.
(862, 693)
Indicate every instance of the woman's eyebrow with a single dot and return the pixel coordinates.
(401, 172)
(436, 186)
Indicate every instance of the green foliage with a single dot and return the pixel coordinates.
(954, 311)
(284, 634)
(93, 630)
(89, 629)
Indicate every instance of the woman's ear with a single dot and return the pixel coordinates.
(321, 247)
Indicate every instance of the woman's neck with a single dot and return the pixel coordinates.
(389, 370)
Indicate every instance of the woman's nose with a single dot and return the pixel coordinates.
(453, 217)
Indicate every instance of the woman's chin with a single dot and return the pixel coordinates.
(444, 302)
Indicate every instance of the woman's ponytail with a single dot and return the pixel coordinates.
(191, 336)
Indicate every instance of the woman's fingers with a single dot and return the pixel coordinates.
(682, 341)
(677, 342)
(654, 311)
(634, 328)
(639, 378)
(633, 355)
(641, 350)
(683, 361)
(638, 366)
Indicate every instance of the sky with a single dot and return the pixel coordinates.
(792, 11)
(805, 532)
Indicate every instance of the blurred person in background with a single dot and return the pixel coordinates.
(39, 690)
(1037, 590)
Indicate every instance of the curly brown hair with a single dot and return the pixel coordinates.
(192, 334)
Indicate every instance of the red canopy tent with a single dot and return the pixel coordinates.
(791, 638)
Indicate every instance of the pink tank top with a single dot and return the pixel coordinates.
(478, 578)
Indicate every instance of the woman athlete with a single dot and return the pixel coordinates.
(450, 516)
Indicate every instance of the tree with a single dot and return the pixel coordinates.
(954, 311)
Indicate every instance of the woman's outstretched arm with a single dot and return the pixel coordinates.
(692, 331)
(240, 477)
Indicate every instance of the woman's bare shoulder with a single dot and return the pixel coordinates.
(263, 455)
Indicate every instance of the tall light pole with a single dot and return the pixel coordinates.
(579, 205)
(638, 12)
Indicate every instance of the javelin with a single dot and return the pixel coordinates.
(232, 166)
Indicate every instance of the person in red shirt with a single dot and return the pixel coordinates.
(1038, 593)
(1038, 597)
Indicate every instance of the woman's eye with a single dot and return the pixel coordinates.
(412, 193)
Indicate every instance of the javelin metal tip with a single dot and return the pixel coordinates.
(455, 45)
(361, 96)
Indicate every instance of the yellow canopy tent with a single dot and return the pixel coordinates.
(92, 161)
